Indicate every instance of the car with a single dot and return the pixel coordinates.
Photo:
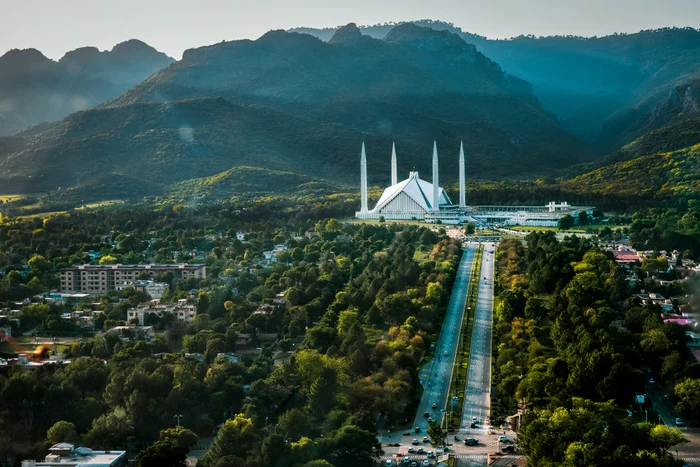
(414, 442)
(414, 464)
(426, 439)
(426, 414)
(679, 422)
(411, 450)
(429, 454)
(430, 420)
(471, 442)
(475, 420)
(473, 425)
(417, 429)
(507, 449)
(420, 451)
(406, 460)
(651, 381)
(434, 406)
(457, 438)
(426, 463)
(389, 463)
(445, 353)
(503, 439)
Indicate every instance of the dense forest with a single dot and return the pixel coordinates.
(365, 302)
(573, 347)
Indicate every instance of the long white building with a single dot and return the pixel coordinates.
(417, 199)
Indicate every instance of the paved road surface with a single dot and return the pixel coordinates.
(436, 382)
(690, 452)
(477, 400)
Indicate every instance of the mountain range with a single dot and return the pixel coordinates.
(606, 90)
(291, 108)
(293, 103)
(35, 89)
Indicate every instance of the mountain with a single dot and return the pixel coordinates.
(290, 102)
(662, 166)
(586, 81)
(34, 89)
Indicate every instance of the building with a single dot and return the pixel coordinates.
(100, 279)
(412, 198)
(154, 289)
(66, 454)
(182, 310)
(417, 199)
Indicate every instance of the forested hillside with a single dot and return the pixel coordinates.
(293, 103)
(627, 78)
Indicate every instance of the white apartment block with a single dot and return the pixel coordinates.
(182, 310)
(100, 279)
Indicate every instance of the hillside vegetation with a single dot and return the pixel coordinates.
(292, 103)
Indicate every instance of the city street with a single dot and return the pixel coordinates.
(477, 398)
(437, 373)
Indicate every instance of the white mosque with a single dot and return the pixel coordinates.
(417, 199)
(412, 198)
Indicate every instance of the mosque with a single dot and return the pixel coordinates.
(417, 199)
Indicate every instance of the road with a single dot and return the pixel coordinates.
(436, 374)
(689, 452)
(477, 400)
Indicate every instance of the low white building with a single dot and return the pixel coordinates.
(66, 454)
(182, 310)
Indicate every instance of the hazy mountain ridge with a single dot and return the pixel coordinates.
(292, 103)
(35, 89)
(586, 81)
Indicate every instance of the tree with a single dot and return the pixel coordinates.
(62, 431)
(664, 437)
(233, 439)
(38, 264)
(438, 436)
(566, 222)
(164, 453)
(583, 218)
(111, 430)
(182, 436)
(688, 395)
(350, 446)
(294, 424)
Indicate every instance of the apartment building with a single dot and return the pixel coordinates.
(182, 310)
(100, 279)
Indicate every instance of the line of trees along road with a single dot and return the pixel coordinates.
(570, 345)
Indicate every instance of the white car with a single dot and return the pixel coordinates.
(503, 439)
(426, 463)
(474, 420)
(679, 422)
(651, 381)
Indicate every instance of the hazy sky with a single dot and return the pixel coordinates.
(56, 26)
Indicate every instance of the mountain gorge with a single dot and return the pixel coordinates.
(293, 103)
(35, 89)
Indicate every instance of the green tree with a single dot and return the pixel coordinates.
(566, 222)
(234, 438)
(62, 431)
(664, 437)
(438, 436)
(182, 436)
(111, 430)
(350, 446)
(164, 453)
(688, 396)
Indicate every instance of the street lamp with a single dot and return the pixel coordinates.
(178, 416)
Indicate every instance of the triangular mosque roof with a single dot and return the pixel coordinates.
(418, 190)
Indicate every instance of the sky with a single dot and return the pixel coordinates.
(172, 26)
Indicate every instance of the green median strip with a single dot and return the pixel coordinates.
(461, 368)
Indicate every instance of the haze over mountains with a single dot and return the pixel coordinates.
(35, 89)
(293, 108)
(291, 102)
(596, 86)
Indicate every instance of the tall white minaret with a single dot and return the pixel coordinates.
(462, 177)
(436, 187)
(394, 178)
(363, 179)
